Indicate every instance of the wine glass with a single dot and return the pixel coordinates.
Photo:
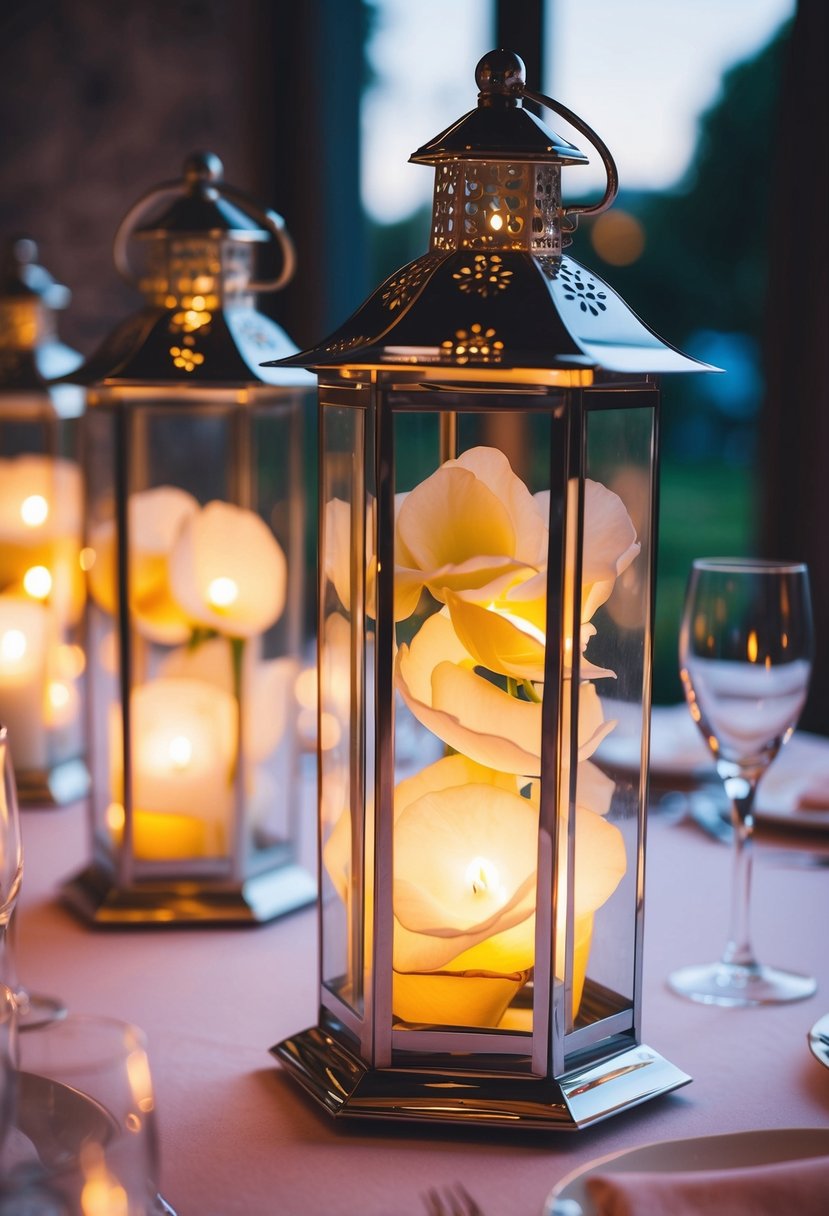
(32, 1009)
(745, 657)
(83, 1137)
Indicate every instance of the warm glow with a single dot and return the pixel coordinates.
(482, 876)
(71, 661)
(115, 817)
(305, 688)
(34, 510)
(102, 1193)
(525, 626)
(619, 238)
(222, 592)
(12, 645)
(752, 648)
(181, 752)
(86, 558)
(330, 732)
(496, 222)
(37, 581)
(59, 695)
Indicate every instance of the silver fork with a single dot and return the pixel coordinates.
(453, 1200)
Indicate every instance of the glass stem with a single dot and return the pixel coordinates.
(741, 789)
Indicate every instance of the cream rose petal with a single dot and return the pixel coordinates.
(492, 467)
(155, 518)
(464, 709)
(500, 641)
(451, 517)
(228, 571)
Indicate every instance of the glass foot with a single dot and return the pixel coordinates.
(34, 1010)
(735, 984)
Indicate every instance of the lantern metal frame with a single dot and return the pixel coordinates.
(558, 340)
(32, 361)
(129, 379)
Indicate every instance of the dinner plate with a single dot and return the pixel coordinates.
(746, 1149)
(819, 1040)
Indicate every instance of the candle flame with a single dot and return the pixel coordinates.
(482, 875)
(180, 751)
(222, 592)
(37, 582)
(12, 645)
(496, 222)
(34, 510)
(753, 647)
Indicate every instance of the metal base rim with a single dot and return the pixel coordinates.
(347, 1088)
(93, 895)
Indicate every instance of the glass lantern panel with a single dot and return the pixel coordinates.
(42, 593)
(472, 477)
(210, 643)
(346, 610)
(616, 597)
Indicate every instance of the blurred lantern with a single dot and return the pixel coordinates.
(194, 551)
(41, 509)
(481, 894)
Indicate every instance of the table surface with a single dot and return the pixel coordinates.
(237, 1136)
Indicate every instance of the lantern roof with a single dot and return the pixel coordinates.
(200, 325)
(499, 128)
(31, 354)
(200, 208)
(495, 288)
(21, 276)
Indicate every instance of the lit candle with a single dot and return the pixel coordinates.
(184, 735)
(24, 631)
(465, 888)
(464, 894)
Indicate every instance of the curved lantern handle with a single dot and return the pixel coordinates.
(275, 225)
(128, 223)
(272, 221)
(601, 147)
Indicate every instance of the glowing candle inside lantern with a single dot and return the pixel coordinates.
(184, 754)
(34, 510)
(24, 627)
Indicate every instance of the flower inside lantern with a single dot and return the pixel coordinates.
(474, 537)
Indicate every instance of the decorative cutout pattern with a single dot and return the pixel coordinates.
(185, 358)
(404, 286)
(444, 207)
(343, 344)
(473, 345)
(582, 289)
(496, 205)
(484, 275)
(546, 223)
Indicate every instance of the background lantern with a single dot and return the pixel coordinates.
(194, 550)
(41, 509)
(488, 424)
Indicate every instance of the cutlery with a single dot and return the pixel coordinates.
(453, 1200)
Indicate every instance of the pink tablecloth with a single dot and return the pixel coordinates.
(237, 1137)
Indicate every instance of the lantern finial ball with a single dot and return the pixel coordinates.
(203, 167)
(501, 72)
(22, 250)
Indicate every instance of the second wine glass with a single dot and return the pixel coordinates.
(33, 1009)
(745, 660)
